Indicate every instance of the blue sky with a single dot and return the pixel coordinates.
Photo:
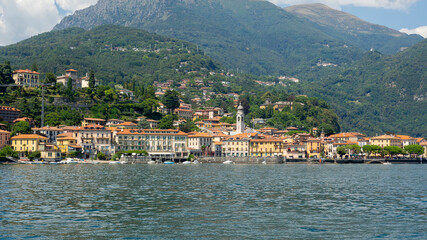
(21, 19)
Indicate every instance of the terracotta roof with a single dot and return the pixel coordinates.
(3, 131)
(385, 137)
(6, 108)
(348, 134)
(205, 135)
(127, 124)
(241, 136)
(267, 140)
(419, 140)
(29, 136)
(47, 129)
(25, 71)
(95, 119)
(156, 132)
(404, 137)
(64, 135)
(23, 119)
(66, 138)
(267, 128)
(71, 70)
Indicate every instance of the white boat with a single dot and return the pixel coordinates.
(264, 162)
(386, 163)
(123, 162)
(196, 162)
(115, 162)
(186, 162)
(228, 162)
(151, 162)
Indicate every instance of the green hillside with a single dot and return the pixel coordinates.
(117, 54)
(250, 35)
(379, 93)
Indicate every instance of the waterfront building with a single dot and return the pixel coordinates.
(67, 143)
(93, 121)
(4, 138)
(157, 142)
(27, 143)
(314, 147)
(200, 144)
(9, 114)
(50, 152)
(26, 78)
(113, 122)
(295, 150)
(50, 132)
(407, 140)
(237, 145)
(93, 139)
(347, 136)
(424, 145)
(386, 140)
(266, 147)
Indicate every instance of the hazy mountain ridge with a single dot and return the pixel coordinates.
(353, 30)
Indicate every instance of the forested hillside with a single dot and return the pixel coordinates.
(257, 37)
(117, 54)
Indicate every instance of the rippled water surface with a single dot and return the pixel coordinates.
(213, 202)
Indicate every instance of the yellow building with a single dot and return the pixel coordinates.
(386, 140)
(93, 121)
(314, 147)
(28, 142)
(266, 147)
(26, 78)
(64, 141)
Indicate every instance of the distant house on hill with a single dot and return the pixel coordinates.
(26, 78)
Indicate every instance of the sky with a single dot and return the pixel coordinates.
(21, 19)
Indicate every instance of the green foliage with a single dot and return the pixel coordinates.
(21, 128)
(50, 78)
(392, 150)
(34, 155)
(167, 122)
(341, 151)
(143, 124)
(414, 149)
(188, 127)
(8, 151)
(53, 119)
(92, 80)
(171, 100)
(101, 156)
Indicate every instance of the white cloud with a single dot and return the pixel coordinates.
(20, 19)
(419, 30)
(388, 4)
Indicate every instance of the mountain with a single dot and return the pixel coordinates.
(380, 93)
(251, 35)
(353, 30)
(115, 53)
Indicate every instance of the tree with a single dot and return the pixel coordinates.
(143, 124)
(167, 122)
(50, 78)
(8, 151)
(171, 100)
(367, 149)
(5, 75)
(188, 127)
(354, 148)
(101, 156)
(21, 128)
(393, 150)
(92, 80)
(53, 119)
(34, 67)
(34, 155)
(341, 151)
(414, 149)
(69, 90)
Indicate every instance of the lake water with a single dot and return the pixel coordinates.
(213, 201)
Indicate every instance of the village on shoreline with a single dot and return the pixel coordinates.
(110, 139)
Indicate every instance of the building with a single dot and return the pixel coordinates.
(347, 136)
(73, 74)
(50, 152)
(200, 144)
(127, 125)
(407, 140)
(93, 121)
(67, 143)
(27, 143)
(25, 119)
(295, 151)
(9, 114)
(167, 143)
(266, 147)
(50, 132)
(93, 139)
(424, 145)
(314, 147)
(386, 140)
(182, 113)
(237, 145)
(113, 122)
(240, 120)
(26, 78)
(4, 138)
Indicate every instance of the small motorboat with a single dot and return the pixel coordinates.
(169, 162)
(186, 162)
(114, 162)
(264, 162)
(386, 163)
(151, 162)
(228, 162)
